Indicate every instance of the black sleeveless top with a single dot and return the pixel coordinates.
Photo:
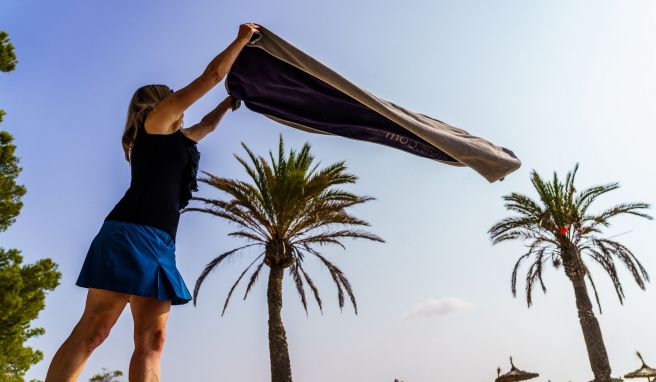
(163, 176)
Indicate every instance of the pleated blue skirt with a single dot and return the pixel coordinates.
(137, 259)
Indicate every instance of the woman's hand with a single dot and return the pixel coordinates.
(231, 103)
(246, 31)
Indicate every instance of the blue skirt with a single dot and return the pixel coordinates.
(132, 258)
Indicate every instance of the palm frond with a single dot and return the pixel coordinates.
(605, 260)
(323, 219)
(253, 279)
(298, 281)
(523, 204)
(340, 281)
(213, 264)
(232, 289)
(589, 195)
(594, 289)
(624, 208)
(333, 237)
(612, 248)
(315, 290)
(247, 235)
(534, 274)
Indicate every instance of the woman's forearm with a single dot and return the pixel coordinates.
(213, 118)
(219, 67)
(209, 122)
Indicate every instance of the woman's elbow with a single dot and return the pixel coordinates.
(216, 75)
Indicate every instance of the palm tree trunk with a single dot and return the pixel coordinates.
(594, 341)
(278, 352)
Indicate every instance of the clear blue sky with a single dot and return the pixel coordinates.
(558, 82)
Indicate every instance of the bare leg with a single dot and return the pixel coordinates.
(102, 309)
(150, 317)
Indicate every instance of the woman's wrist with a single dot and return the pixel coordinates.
(243, 40)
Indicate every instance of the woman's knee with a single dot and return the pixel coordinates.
(151, 340)
(92, 331)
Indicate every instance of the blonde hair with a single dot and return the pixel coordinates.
(143, 102)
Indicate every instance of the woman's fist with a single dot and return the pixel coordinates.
(246, 31)
(231, 103)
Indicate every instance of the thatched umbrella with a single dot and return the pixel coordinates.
(514, 374)
(644, 372)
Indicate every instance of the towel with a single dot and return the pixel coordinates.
(278, 80)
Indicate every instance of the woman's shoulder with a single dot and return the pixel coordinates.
(150, 132)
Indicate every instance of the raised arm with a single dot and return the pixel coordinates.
(169, 110)
(210, 121)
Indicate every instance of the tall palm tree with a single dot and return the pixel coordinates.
(290, 208)
(561, 230)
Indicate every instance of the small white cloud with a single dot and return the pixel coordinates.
(435, 307)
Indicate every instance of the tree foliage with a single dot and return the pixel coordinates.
(107, 376)
(7, 56)
(22, 297)
(562, 221)
(10, 192)
(290, 208)
(22, 286)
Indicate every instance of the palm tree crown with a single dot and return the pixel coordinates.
(560, 229)
(289, 209)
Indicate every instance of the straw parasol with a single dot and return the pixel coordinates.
(644, 372)
(514, 374)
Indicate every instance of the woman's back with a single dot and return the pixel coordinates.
(163, 176)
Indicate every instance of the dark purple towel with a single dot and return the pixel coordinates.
(276, 79)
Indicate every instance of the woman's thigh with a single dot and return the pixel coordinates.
(149, 315)
(101, 310)
(105, 301)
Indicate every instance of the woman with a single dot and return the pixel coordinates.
(132, 258)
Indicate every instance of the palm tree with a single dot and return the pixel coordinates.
(289, 209)
(560, 229)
